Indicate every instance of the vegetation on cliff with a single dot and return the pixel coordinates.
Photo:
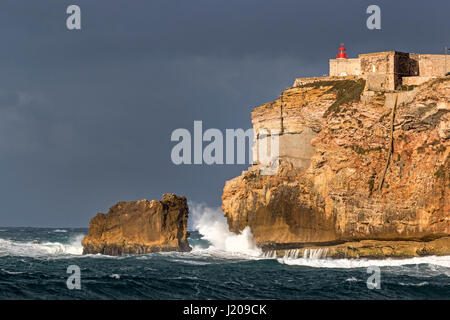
(346, 91)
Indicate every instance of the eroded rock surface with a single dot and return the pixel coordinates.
(329, 192)
(140, 227)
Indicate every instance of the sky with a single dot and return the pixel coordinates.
(86, 115)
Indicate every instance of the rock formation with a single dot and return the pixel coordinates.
(361, 173)
(140, 227)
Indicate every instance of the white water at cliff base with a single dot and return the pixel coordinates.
(443, 261)
(212, 225)
(220, 244)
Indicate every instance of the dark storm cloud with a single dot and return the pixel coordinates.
(86, 116)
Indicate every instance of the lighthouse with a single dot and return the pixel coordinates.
(342, 53)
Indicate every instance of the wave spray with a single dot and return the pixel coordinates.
(212, 225)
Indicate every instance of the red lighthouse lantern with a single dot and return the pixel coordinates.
(342, 53)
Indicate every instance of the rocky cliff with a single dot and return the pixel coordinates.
(140, 227)
(361, 173)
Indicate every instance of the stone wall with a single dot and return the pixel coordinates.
(431, 65)
(304, 81)
(388, 70)
(379, 70)
(403, 66)
(377, 62)
(380, 82)
(345, 67)
(415, 81)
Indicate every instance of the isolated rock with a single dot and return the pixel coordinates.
(140, 227)
(327, 192)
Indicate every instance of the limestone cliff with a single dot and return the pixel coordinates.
(359, 171)
(140, 227)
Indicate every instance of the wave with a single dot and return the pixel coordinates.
(441, 261)
(12, 272)
(212, 225)
(28, 249)
(60, 230)
(420, 284)
(351, 279)
(192, 262)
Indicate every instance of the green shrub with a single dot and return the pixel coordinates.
(346, 91)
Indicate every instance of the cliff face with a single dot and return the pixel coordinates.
(140, 227)
(339, 181)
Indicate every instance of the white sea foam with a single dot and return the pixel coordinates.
(212, 225)
(192, 262)
(60, 230)
(271, 254)
(29, 249)
(12, 272)
(420, 284)
(443, 261)
(351, 279)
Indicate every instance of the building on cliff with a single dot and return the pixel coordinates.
(388, 70)
(366, 77)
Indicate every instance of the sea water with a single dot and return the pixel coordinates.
(222, 265)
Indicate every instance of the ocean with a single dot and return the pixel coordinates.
(39, 271)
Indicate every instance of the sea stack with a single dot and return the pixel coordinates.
(362, 171)
(139, 227)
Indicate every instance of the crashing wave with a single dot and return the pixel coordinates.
(212, 225)
(29, 249)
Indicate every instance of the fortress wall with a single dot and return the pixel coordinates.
(389, 70)
(302, 81)
(385, 70)
(377, 62)
(380, 82)
(403, 97)
(379, 69)
(404, 66)
(415, 81)
(345, 67)
(431, 65)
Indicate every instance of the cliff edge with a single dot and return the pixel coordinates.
(360, 173)
(140, 227)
